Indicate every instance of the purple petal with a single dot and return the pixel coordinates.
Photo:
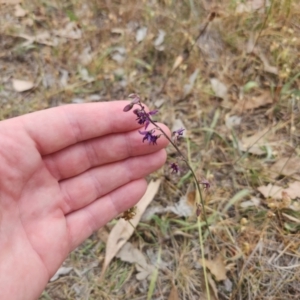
(153, 112)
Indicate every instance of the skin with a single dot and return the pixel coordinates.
(65, 172)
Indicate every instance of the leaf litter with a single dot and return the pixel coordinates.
(123, 230)
(129, 253)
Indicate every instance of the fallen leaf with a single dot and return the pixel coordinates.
(286, 166)
(160, 38)
(293, 190)
(254, 201)
(216, 267)
(119, 54)
(253, 102)
(43, 38)
(141, 33)
(159, 102)
(254, 144)
(219, 88)
(11, 2)
(151, 211)
(86, 56)
(22, 85)
(84, 74)
(181, 208)
(251, 6)
(60, 272)
(178, 61)
(71, 31)
(258, 4)
(243, 8)
(123, 230)
(276, 192)
(20, 11)
(174, 293)
(232, 121)
(271, 190)
(64, 78)
(129, 253)
(188, 87)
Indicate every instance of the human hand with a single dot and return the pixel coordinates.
(65, 172)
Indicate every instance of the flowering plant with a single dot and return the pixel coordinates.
(151, 136)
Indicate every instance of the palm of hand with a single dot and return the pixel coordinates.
(59, 186)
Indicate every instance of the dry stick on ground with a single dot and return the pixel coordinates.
(186, 53)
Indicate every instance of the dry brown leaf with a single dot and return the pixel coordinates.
(189, 86)
(251, 6)
(60, 272)
(22, 85)
(219, 88)
(178, 61)
(20, 11)
(71, 31)
(253, 102)
(276, 192)
(130, 254)
(216, 267)
(271, 190)
(43, 38)
(174, 293)
(141, 34)
(286, 166)
(293, 190)
(11, 2)
(123, 230)
(253, 144)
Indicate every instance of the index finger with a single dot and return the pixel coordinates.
(57, 128)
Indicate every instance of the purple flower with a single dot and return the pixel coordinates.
(149, 136)
(205, 183)
(174, 167)
(143, 117)
(177, 134)
(153, 112)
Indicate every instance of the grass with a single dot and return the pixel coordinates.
(260, 245)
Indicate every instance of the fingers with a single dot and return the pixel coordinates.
(84, 222)
(56, 128)
(85, 188)
(82, 156)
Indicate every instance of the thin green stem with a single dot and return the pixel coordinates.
(203, 258)
(199, 195)
(193, 174)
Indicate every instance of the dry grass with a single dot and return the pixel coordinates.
(260, 244)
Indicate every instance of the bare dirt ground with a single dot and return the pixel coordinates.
(228, 72)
